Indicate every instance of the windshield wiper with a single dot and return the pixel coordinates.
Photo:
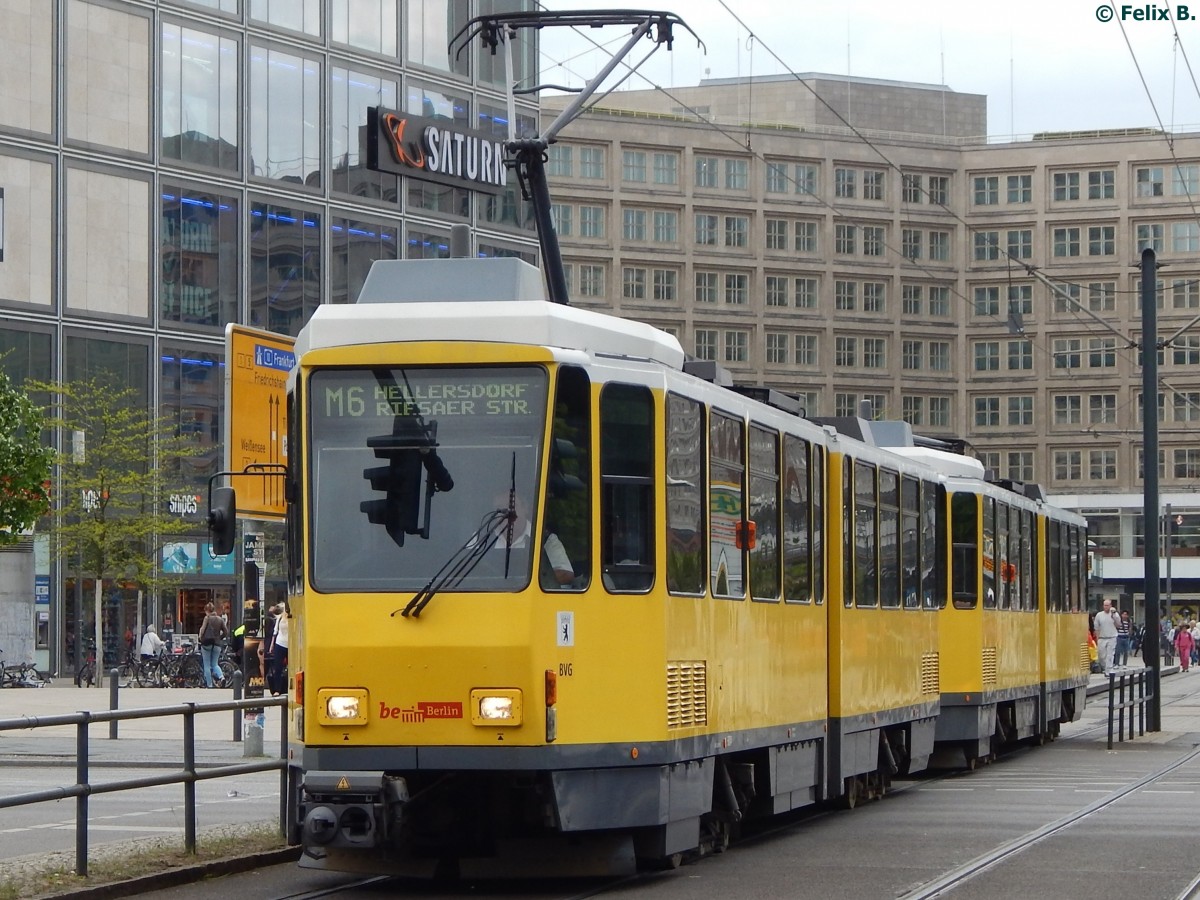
(463, 560)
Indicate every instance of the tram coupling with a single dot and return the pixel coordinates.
(358, 809)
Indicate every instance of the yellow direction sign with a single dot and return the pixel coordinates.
(256, 369)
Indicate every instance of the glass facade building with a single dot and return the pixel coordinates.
(169, 167)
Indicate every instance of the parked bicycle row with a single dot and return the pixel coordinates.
(163, 669)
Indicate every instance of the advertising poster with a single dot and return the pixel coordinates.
(215, 565)
(181, 558)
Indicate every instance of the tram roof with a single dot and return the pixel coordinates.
(499, 300)
(950, 464)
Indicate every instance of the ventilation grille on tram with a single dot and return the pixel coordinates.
(1085, 658)
(989, 666)
(687, 693)
(931, 673)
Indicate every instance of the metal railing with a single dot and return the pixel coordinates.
(82, 789)
(1122, 706)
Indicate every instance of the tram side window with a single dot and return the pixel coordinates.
(910, 541)
(685, 495)
(964, 535)
(847, 506)
(866, 536)
(817, 557)
(798, 548)
(989, 553)
(933, 546)
(1025, 554)
(764, 514)
(627, 487)
(726, 472)
(567, 514)
(295, 534)
(1054, 573)
(889, 539)
(1075, 563)
(1017, 575)
(1004, 576)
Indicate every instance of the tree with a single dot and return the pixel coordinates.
(113, 483)
(24, 463)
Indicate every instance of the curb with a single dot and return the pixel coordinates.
(181, 876)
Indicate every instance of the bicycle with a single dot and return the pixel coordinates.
(22, 675)
(139, 672)
(85, 675)
(182, 670)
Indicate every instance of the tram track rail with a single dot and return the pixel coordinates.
(958, 876)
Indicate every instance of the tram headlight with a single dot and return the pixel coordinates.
(496, 706)
(342, 706)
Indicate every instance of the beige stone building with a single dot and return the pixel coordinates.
(853, 240)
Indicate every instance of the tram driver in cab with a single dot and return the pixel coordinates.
(554, 567)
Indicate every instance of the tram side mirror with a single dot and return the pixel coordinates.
(222, 520)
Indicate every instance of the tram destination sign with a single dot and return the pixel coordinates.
(434, 150)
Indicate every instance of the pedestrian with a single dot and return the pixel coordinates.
(1124, 636)
(212, 632)
(168, 632)
(1105, 627)
(152, 644)
(278, 674)
(268, 638)
(237, 643)
(1184, 643)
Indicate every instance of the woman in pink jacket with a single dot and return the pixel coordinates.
(1184, 643)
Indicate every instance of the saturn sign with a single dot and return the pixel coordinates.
(434, 150)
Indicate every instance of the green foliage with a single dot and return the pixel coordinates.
(112, 491)
(24, 463)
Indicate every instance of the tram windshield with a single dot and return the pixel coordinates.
(474, 433)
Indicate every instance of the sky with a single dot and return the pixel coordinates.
(1051, 65)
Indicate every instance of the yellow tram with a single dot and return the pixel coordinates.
(553, 584)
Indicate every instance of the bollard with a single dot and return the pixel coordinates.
(238, 715)
(252, 729)
(252, 742)
(113, 675)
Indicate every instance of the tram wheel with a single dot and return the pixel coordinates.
(852, 793)
(660, 863)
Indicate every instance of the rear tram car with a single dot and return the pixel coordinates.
(550, 586)
(1013, 627)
